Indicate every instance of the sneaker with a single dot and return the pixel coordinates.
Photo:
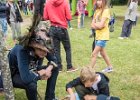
(121, 38)
(72, 69)
(107, 70)
(126, 37)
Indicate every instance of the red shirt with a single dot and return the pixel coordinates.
(58, 12)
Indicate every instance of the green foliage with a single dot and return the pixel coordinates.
(120, 2)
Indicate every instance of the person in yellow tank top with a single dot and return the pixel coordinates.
(100, 24)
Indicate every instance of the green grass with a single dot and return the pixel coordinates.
(124, 56)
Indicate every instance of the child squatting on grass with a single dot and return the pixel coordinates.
(90, 85)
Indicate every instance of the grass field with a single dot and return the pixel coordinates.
(124, 56)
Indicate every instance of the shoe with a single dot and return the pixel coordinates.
(126, 37)
(107, 70)
(121, 38)
(72, 69)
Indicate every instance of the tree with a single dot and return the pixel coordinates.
(120, 2)
(6, 75)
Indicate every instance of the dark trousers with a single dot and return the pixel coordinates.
(51, 83)
(61, 35)
(31, 89)
(94, 35)
(82, 91)
(126, 29)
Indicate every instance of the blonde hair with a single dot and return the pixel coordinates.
(87, 74)
(104, 6)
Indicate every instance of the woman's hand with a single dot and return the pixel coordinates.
(48, 72)
(42, 72)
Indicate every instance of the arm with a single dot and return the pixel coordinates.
(45, 14)
(73, 83)
(23, 65)
(51, 64)
(52, 60)
(78, 7)
(71, 93)
(98, 25)
(70, 85)
(67, 11)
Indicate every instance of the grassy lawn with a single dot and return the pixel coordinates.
(124, 56)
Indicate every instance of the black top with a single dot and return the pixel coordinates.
(3, 10)
(103, 87)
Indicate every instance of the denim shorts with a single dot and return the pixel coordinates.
(101, 43)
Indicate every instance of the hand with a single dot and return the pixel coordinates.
(72, 97)
(44, 77)
(42, 72)
(48, 72)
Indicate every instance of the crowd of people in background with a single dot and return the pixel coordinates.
(90, 85)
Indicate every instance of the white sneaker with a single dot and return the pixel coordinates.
(121, 38)
(107, 70)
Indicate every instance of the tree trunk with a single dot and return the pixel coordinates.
(5, 71)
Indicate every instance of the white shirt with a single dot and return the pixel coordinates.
(133, 7)
(94, 86)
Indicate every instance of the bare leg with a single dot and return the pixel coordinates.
(105, 57)
(94, 55)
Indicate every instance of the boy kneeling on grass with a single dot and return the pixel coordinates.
(90, 85)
